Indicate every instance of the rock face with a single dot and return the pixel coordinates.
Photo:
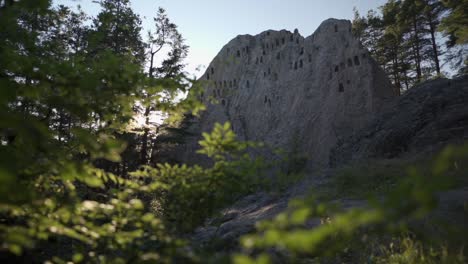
(279, 88)
(425, 119)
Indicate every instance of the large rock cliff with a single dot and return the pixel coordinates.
(327, 94)
(279, 87)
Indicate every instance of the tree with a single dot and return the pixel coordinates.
(173, 66)
(411, 20)
(391, 43)
(453, 26)
(432, 10)
(383, 38)
(166, 35)
(374, 32)
(454, 23)
(61, 114)
(359, 25)
(117, 28)
(403, 39)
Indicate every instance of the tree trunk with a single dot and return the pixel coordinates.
(406, 79)
(144, 139)
(435, 53)
(417, 51)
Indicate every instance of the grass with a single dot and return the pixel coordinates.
(376, 177)
(407, 250)
(360, 181)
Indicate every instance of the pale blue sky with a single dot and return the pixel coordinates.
(208, 25)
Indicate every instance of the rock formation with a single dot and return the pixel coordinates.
(420, 122)
(328, 94)
(425, 119)
(279, 87)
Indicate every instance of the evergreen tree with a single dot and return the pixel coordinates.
(432, 11)
(359, 25)
(166, 36)
(391, 43)
(410, 20)
(61, 112)
(453, 26)
(117, 28)
(403, 37)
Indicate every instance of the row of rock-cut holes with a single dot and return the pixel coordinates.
(300, 63)
(221, 93)
(267, 46)
(239, 53)
(268, 73)
(296, 65)
(277, 43)
(350, 63)
(225, 84)
(278, 57)
(216, 93)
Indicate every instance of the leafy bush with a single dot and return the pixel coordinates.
(343, 232)
(63, 108)
(190, 194)
(114, 224)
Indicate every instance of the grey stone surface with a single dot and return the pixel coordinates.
(239, 219)
(279, 87)
(425, 119)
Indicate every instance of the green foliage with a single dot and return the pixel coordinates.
(453, 27)
(454, 24)
(221, 144)
(189, 194)
(406, 250)
(364, 180)
(403, 38)
(67, 93)
(117, 28)
(345, 231)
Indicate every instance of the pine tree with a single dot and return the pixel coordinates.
(375, 30)
(410, 20)
(403, 39)
(166, 35)
(453, 26)
(359, 25)
(117, 28)
(391, 43)
(432, 11)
